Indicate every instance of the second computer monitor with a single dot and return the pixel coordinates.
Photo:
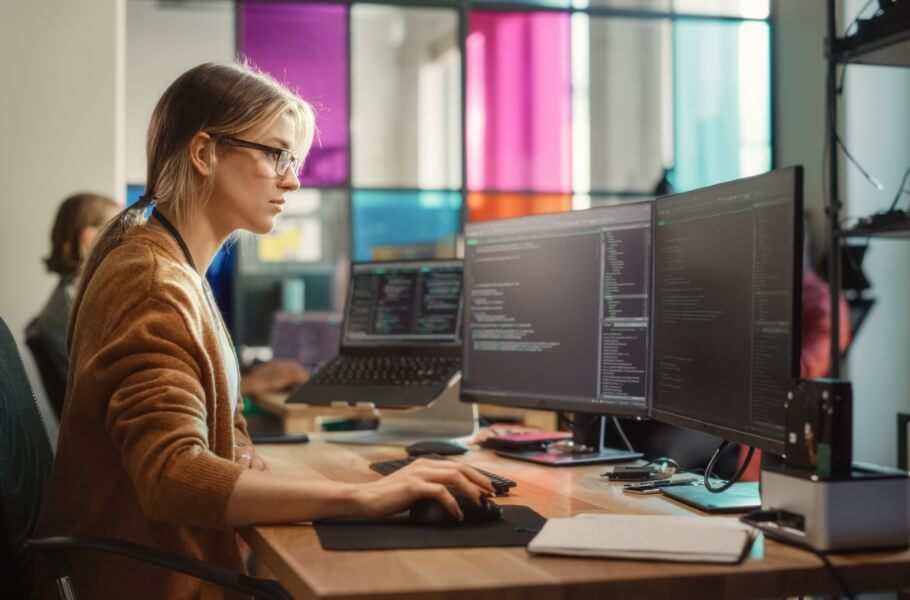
(727, 307)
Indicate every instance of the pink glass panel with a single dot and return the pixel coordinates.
(519, 102)
(305, 46)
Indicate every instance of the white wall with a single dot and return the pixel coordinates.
(162, 41)
(62, 127)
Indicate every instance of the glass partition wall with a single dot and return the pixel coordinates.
(433, 113)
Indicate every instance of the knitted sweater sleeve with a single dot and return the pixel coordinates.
(159, 420)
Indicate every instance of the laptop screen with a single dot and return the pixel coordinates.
(407, 303)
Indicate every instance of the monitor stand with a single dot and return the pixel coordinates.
(586, 448)
(445, 418)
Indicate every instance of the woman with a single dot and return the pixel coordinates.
(75, 226)
(152, 447)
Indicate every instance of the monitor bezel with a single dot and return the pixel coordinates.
(573, 403)
(732, 434)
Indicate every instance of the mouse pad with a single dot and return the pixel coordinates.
(518, 526)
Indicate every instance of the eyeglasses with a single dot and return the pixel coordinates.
(283, 158)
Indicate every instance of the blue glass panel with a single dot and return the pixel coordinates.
(389, 225)
(722, 101)
(132, 194)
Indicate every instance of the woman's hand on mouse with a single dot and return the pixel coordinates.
(423, 478)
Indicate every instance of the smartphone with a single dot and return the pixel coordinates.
(654, 487)
(641, 490)
(626, 473)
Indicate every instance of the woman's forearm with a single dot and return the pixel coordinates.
(261, 498)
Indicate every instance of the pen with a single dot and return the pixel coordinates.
(659, 483)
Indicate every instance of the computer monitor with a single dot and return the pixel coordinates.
(557, 318)
(727, 291)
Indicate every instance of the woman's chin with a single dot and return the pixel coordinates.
(262, 227)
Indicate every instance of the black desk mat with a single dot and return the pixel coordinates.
(518, 526)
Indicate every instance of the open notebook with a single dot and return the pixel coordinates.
(646, 537)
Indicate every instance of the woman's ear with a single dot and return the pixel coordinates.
(201, 155)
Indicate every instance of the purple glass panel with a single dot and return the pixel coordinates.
(519, 102)
(306, 47)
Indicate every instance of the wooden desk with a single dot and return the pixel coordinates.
(301, 418)
(293, 553)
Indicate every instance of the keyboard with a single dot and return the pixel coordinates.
(388, 370)
(501, 484)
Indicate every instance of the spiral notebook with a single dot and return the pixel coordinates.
(646, 537)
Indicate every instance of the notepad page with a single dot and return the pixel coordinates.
(655, 537)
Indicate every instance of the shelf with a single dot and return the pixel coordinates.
(892, 49)
(899, 229)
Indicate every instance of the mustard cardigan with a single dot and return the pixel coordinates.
(147, 438)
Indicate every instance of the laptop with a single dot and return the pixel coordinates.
(400, 337)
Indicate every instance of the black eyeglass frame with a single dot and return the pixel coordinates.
(279, 154)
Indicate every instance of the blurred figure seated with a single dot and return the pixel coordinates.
(78, 220)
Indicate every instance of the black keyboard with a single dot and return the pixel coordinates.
(501, 484)
(388, 370)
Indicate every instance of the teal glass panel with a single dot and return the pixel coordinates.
(391, 225)
(722, 101)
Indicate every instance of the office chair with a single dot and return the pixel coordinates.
(52, 376)
(25, 466)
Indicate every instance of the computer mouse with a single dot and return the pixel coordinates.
(441, 447)
(431, 512)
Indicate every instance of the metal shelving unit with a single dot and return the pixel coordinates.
(889, 48)
(895, 230)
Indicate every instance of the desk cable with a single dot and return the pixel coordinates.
(759, 518)
(739, 473)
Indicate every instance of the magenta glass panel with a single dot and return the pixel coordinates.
(306, 47)
(519, 102)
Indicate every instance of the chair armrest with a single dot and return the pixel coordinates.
(260, 588)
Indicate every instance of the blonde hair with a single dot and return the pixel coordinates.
(218, 99)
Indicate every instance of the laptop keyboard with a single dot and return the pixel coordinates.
(501, 484)
(388, 370)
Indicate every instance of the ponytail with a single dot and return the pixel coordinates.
(108, 238)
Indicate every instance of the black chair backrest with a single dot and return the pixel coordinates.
(25, 462)
(52, 377)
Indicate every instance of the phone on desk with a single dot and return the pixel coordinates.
(654, 487)
(627, 473)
